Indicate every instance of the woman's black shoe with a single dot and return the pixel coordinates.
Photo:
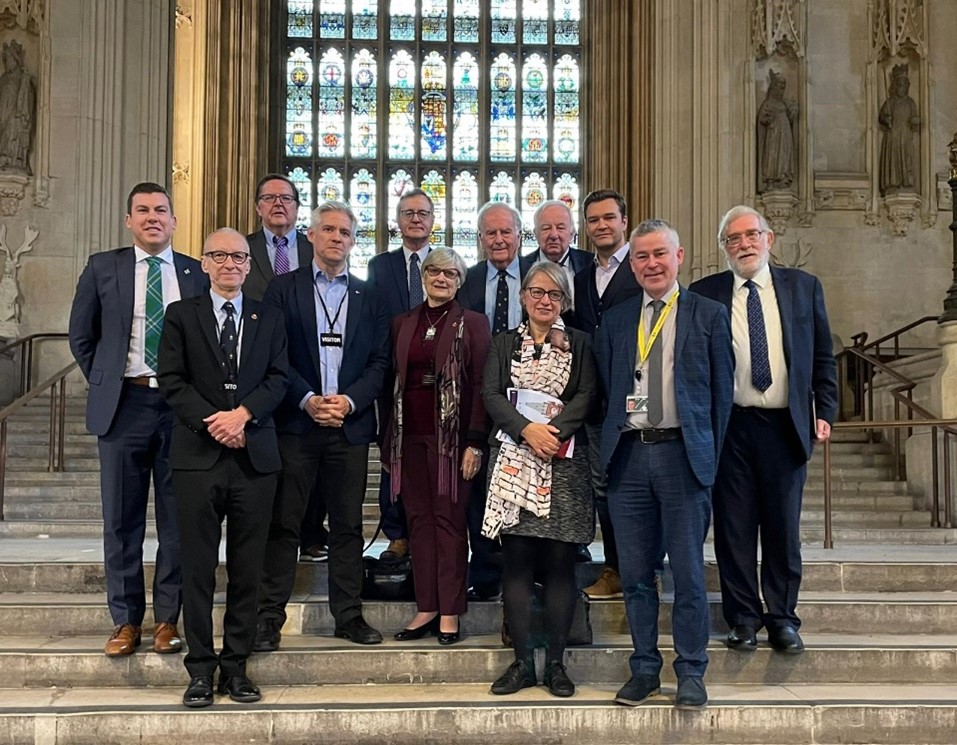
(518, 676)
(409, 635)
(449, 637)
(556, 680)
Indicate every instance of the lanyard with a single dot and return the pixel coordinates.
(331, 321)
(644, 348)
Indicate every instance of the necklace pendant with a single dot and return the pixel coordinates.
(429, 333)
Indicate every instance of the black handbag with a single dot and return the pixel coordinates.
(579, 633)
(387, 579)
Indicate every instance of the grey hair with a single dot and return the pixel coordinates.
(332, 205)
(655, 225)
(741, 210)
(446, 258)
(225, 231)
(556, 274)
(554, 203)
(408, 195)
(489, 206)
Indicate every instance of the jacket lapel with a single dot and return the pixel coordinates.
(306, 300)
(685, 308)
(250, 328)
(260, 256)
(356, 292)
(402, 343)
(785, 296)
(206, 319)
(398, 275)
(125, 285)
(188, 283)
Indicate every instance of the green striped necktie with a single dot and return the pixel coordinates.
(154, 311)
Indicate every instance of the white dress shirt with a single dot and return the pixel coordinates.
(603, 274)
(135, 364)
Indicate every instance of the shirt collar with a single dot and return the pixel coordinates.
(318, 274)
(619, 257)
(647, 299)
(219, 301)
(290, 236)
(166, 254)
(421, 253)
(511, 270)
(762, 279)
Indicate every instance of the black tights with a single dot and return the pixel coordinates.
(553, 563)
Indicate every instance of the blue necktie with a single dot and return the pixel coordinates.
(760, 366)
(415, 282)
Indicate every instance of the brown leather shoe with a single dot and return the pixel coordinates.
(123, 641)
(166, 639)
(397, 549)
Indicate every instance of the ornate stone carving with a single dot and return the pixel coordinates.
(792, 254)
(872, 219)
(900, 119)
(776, 150)
(776, 27)
(841, 191)
(26, 14)
(18, 108)
(12, 188)
(778, 208)
(180, 172)
(952, 156)
(9, 283)
(901, 211)
(184, 15)
(898, 25)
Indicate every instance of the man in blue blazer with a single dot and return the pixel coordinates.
(666, 364)
(115, 328)
(785, 399)
(339, 350)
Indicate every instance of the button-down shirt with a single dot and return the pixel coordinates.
(669, 404)
(745, 394)
(135, 363)
(603, 274)
(218, 302)
(332, 292)
(292, 248)
(514, 282)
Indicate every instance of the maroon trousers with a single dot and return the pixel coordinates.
(438, 536)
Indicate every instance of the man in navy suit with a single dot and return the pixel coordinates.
(115, 328)
(666, 363)
(339, 350)
(785, 399)
(223, 372)
(397, 277)
(492, 287)
(555, 231)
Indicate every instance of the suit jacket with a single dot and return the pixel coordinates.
(577, 258)
(581, 394)
(260, 270)
(387, 276)
(471, 294)
(101, 323)
(365, 355)
(589, 307)
(808, 349)
(703, 374)
(191, 378)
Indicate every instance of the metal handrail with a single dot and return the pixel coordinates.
(860, 339)
(26, 358)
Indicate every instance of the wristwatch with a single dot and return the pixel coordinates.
(477, 452)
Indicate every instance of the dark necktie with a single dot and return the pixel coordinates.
(228, 341)
(415, 282)
(154, 312)
(760, 366)
(500, 316)
(655, 406)
(282, 254)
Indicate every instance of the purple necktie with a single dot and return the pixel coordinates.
(282, 255)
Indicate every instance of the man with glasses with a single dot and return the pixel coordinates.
(397, 277)
(115, 327)
(785, 399)
(223, 371)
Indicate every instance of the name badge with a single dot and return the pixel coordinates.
(330, 340)
(636, 404)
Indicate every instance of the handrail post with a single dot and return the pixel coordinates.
(61, 431)
(828, 537)
(935, 507)
(50, 447)
(948, 502)
(3, 462)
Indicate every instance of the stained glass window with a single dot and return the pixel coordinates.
(534, 192)
(469, 100)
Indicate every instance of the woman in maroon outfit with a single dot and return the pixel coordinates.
(433, 442)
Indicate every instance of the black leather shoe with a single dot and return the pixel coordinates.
(449, 637)
(268, 635)
(199, 692)
(409, 635)
(786, 639)
(691, 694)
(638, 689)
(519, 675)
(582, 554)
(556, 680)
(356, 630)
(742, 637)
(239, 688)
(480, 593)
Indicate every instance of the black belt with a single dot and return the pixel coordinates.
(147, 381)
(653, 436)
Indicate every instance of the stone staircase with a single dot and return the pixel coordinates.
(879, 611)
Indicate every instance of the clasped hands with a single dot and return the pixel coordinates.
(542, 439)
(328, 411)
(228, 428)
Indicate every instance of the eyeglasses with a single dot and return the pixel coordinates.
(434, 271)
(219, 257)
(736, 239)
(282, 198)
(538, 293)
(421, 214)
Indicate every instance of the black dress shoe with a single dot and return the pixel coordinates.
(638, 689)
(519, 675)
(199, 692)
(582, 554)
(691, 693)
(786, 639)
(742, 637)
(239, 688)
(449, 637)
(556, 680)
(408, 635)
(358, 631)
(480, 593)
(268, 635)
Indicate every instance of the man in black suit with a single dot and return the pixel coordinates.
(599, 287)
(555, 231)
(115, 327)
(223, 372)
(339, 350)
(396, 276)
(785, 399)
(492, 287)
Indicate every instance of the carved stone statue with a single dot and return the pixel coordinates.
(776, 138)
(900, 120)
(17, 110)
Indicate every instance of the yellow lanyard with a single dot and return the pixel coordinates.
(644, 348)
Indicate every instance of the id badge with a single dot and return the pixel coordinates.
(636, 404)
(330, 340)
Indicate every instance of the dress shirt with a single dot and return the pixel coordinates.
(292, 248)
(669, 404)
(421, 253)
(745, 394)
(218, 302)
(514, 282)
(603, 274)
(135, 364)
(565, 263)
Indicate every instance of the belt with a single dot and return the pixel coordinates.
(148, 381)
(653, 436)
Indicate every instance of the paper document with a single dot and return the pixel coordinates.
(540, 408)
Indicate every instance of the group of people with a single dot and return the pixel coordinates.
(512, 402)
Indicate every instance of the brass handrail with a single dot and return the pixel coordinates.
(26, 358)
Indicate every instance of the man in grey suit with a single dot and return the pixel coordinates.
(115, 327)
(665, 360)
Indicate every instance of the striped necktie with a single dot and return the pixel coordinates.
(154, 312)
(282, 254)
